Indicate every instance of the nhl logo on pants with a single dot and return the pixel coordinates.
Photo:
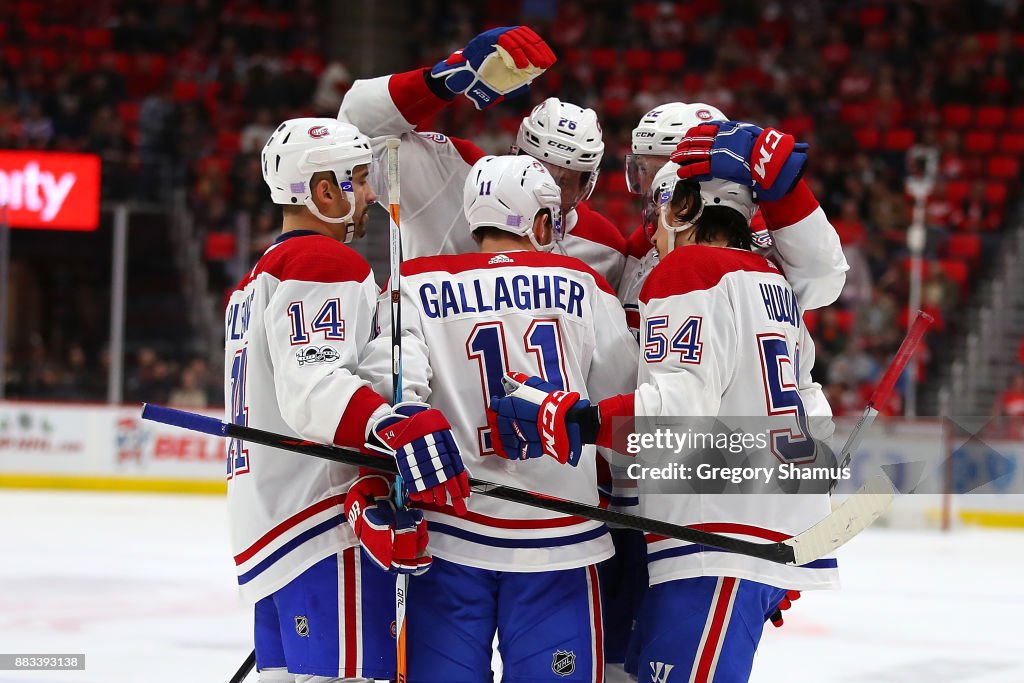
(563, 663)
(302, 626)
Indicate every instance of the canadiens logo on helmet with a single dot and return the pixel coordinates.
(704, 115)
(563, 663)
(319, 132)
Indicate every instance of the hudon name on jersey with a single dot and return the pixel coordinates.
(722, 335)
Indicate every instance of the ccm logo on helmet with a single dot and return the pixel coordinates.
(561, 146)
(645, 134)
(318, 132)
(769, 141)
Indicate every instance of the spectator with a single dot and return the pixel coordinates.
(189, 393)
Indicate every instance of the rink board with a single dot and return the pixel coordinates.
(100, 447)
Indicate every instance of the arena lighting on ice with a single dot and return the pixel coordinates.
(50, 190)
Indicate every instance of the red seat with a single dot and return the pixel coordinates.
(13, 56)
(96, 38)
(670, 60)
(990, 117)
(956, 115)
(220, 246)
(185, 91)
(639, 59)
(645, 11)
(1003, 168)
(853, 114)
(995, 194)
(693, 81)
(867, 138)
(957, 191)
(128, 111)
(575, 56)
(603, 59)
(1011, 143)
(1017, 118)
(229, 141)
(979, 142)
(987, 41)
(898, 139)
(811, 321)
(957, 270)
(845, 320)
(872, 16)
(964, 246)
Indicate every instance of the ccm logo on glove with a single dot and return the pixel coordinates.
(764, 149)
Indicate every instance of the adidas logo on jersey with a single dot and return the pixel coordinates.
(500, 258)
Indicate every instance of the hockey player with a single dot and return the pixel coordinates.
(714, 345)
(294, 328)
(796, 234)
(564, 137)
(523, 573)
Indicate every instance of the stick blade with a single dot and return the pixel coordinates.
(856, 514)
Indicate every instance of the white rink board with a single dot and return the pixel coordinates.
(99, 440)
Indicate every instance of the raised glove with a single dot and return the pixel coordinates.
(395, 539)
(421, 441)
(532, 419)
(498, 63)
(786, 603)
(766, 159)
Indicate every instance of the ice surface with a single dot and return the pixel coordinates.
(143, 585)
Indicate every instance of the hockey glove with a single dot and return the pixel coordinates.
(763, 158)
(421, 441)
(532, 419)
(496, 64)
(786, 603)
(396, 540)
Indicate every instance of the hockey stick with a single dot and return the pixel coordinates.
(881, 393)
(244, 670)
(395, 243)
(857, 513)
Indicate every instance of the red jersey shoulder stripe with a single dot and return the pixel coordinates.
(460, 263)
(467, 149)
(699, 267)
(413, 99)
(592, 226)
(638, 245)
(311, 258)
(792, 208)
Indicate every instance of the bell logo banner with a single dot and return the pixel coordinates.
(50, 190)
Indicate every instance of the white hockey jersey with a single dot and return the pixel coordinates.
(434, 168)
(723, 336)
(468, 319)
(294, 329)
(798, 238)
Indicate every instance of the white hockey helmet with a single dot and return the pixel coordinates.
(301, 147)
(731, 195)
(507, 192)
(563, 136)
(657, 135)
(676, 202)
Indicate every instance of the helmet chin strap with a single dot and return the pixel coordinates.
(673, 233)
(350, 228)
